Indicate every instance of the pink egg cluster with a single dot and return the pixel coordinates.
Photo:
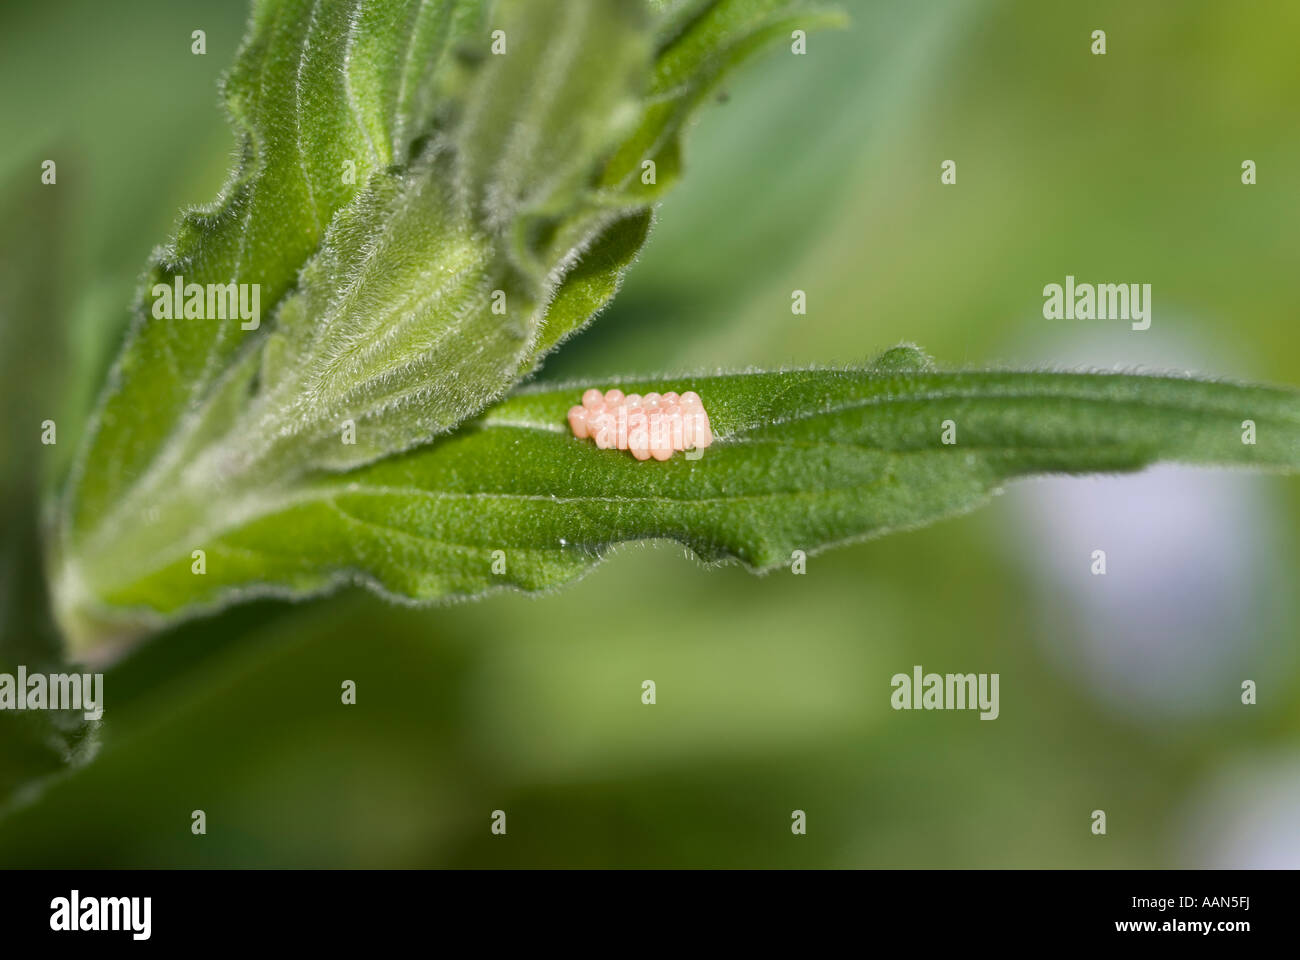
(655, 425)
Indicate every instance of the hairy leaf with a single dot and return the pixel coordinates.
(803, 460)
(698, 44)
(316, 84)
(430, 196)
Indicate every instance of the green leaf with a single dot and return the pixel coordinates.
(303, 101)
(698, 45)
(425, 203)
(803, 460)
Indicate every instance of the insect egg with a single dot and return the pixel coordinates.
(654, 425)
(578, 421)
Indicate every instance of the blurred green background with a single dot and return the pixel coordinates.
(818, 173)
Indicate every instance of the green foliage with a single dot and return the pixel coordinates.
(427, 217)
(803, 459)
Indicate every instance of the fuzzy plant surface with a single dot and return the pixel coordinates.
(431, 196)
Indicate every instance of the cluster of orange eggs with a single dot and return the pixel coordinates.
(654, 425)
